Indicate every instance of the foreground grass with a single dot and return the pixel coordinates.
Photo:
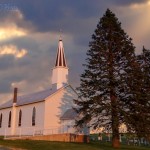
(46, 145)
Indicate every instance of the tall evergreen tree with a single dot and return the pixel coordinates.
(139, 106)
(145, 66)
(103, 82)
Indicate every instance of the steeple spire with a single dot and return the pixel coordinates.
(60, 71)
(60, 59)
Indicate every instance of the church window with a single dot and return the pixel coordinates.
(33, 116)
(1, 118)
(20, 117)
(9, 120)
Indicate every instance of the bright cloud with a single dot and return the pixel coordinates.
(19, 84)
(136, 21)
(141, 23)
(11, 26)
(11, 31)
(12, 50)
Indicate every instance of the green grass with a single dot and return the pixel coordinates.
(46, 145)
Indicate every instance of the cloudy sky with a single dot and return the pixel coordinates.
(29, 34)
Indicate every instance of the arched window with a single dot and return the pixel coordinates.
(20, 117)
(33, 116)
(1, 118)
(9, 120)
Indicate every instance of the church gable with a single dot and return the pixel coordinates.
(57, 104)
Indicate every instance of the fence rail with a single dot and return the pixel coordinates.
(37, 131)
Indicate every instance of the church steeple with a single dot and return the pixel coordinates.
(60, 59)
(60, 71)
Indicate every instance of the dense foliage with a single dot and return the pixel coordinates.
(111, 82)
(139, 113)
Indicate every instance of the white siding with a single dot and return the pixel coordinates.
(26, 122)
(48, 114)
(5, 113)
(56, 105)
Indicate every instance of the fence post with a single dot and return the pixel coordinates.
(5, 133)
(120, 138)
(20, 132)
(33, 131)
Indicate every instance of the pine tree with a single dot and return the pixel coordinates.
(103, 83)
(145, 67)
(139, 106)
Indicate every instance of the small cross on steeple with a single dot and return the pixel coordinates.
(60, 35)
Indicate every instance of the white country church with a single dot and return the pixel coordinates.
(45, 112)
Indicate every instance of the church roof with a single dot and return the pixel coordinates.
(30, 98)
(70, 114)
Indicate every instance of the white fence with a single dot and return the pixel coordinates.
(30, 131)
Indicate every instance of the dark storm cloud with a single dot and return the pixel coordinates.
(73, 17)
(50, 15)
(5, 86)
(6, 62)
(76, 18)
(32, 68)
(8, 74)
(6, 82)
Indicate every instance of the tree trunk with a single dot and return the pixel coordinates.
(115, 142)
(115, 123)
(113, 98)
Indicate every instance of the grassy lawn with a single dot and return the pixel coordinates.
(46, 145)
